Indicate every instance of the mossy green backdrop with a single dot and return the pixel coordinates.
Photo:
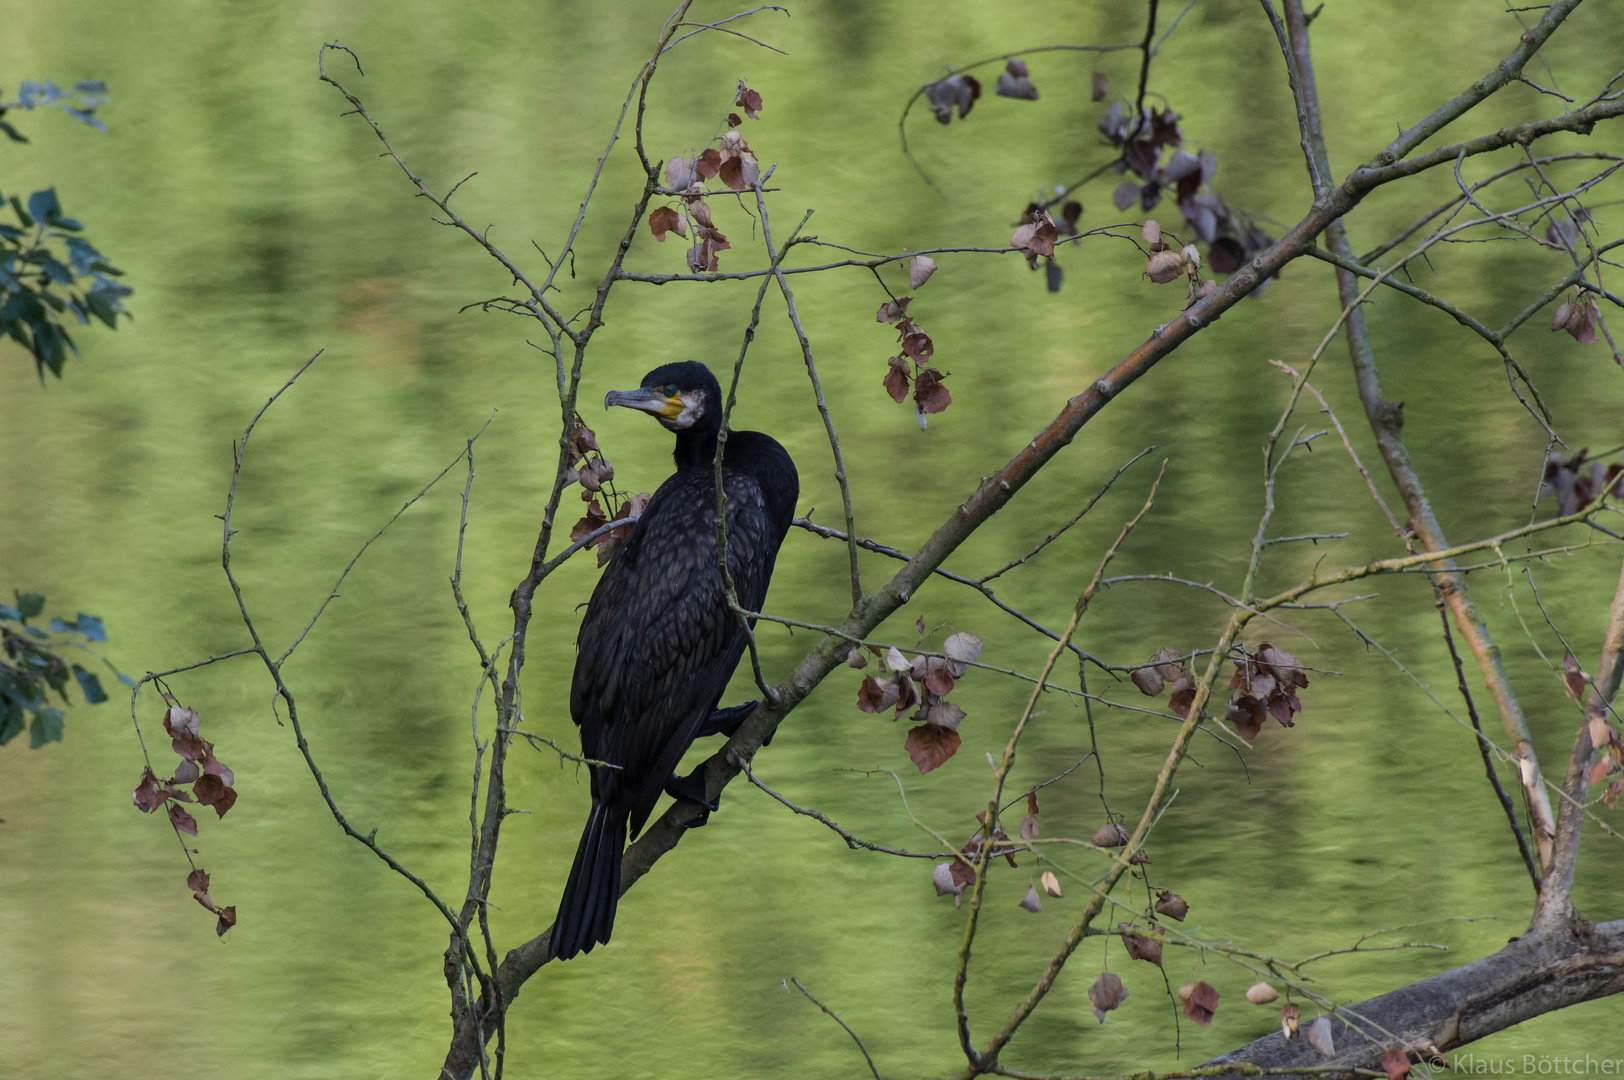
(257, 226)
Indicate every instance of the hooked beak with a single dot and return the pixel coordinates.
(646, 399)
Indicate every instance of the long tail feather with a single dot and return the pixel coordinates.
(586, 913)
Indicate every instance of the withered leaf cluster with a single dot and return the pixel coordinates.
(733, 163)
(1578, 481)
(1231, 235)
(1609, 751)
(1169, 262)
(955, 90)
(912, 367)
(925, 682)
(212, 786)
(1578, 317)
(1014, 82)
(1037, 234)
(224, 917)
(210, 779)
(1167, 670)
(592, 470)
(1265, 684)
(950, 878)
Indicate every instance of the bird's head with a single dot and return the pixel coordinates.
(680, 396)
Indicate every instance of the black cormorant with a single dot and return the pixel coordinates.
(659, 642)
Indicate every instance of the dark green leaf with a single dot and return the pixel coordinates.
(22, 215)
(91, 627)
(126, 680)
(9, 612)
(54, 270)
(60, 626)
(12, 721)
(12, 133)
(90, 685)
(30, 604)
(47, 727)
(56, 673)
(42, 205)
(86, 115)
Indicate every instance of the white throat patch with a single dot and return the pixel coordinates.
(693, 407)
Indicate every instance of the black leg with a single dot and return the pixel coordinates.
(727, 721)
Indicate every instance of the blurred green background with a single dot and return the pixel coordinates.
(257, 227)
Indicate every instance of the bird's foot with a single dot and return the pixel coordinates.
(692, 788)
(727, 721)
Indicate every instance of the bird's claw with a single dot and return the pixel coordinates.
(692, 788)
(726, 721)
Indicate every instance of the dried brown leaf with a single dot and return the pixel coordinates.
(1139, 946)
(679, 174)
(1396, 1064)
(1147, 680)
(1031, 902)
(1318, 1035)
(1015, 86)
(916, 344)
(962, 649)
(875, 695)
(1110, 835)
(1172, 905)
(930, 394)
(929, 746)
(1106, 994)
(946, 884)
(1099, 87)
(1289, 1014)
(897, 380)
(663, 220)
(1261, 993)
(741, 171)
(1201, 1004)
(1165, 266)
(1225, 255)
(183, 821)
(939, 677)
(1574, 677)
(893, 311)
(920, 268)
(1051, 884)
(749, 100)
(148, 796)
(943, 714)
(212, 791)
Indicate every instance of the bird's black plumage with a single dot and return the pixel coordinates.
(659, 643)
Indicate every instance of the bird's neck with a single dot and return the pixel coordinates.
(696, 447)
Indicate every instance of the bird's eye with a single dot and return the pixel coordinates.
(671, 390)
